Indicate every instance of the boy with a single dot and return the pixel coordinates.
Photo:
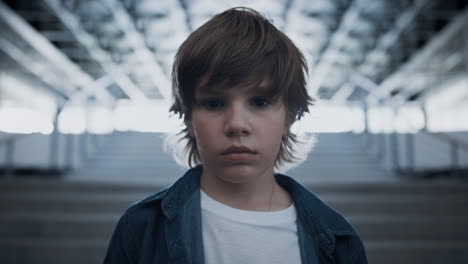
(239, 84)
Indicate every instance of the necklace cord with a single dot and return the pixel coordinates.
(271, 196)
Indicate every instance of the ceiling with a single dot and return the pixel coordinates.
(374, 51)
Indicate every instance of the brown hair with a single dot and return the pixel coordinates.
(234, 47)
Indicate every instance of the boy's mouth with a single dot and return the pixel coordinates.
(238, 150)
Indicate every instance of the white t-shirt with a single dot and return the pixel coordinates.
(237, 236)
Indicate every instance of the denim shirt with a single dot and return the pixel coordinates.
(166, 227)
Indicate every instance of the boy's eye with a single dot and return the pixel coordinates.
(213, 103)
(260, 101)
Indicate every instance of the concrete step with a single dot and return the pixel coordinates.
(401, 187)
(347, 203)
(47, 221)
(417, 228)
(119, 169)
(68, 203)
(131, 166)
(312, 169)
(141, 177)
(409, 187)
(59, 225)
(52, 251)
(144, 158)
(116, 148)
(398, 205)
(337, 176)
(332, 160)
(412, 252)
(398, 185)
(33, 185)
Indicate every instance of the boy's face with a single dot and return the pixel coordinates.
(238, 132)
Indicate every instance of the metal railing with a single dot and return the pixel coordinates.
(455, 146)
(9, 143)
(86, 144)
(392, 149)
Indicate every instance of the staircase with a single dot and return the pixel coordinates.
(129, 157)
(405, 222)
(339, 158)
(56, 221)
(70, 220)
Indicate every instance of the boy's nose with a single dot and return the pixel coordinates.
(237, 122)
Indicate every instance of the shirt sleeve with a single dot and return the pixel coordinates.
(118, 249)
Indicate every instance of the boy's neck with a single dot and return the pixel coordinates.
(263, 195)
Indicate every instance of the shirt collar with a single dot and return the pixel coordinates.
(317, 217)
(181, 191)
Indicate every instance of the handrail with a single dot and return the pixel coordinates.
(455, 145)
(449, 139)
(9, 142)
(9, 138)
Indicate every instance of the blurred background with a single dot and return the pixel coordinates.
(85, 129)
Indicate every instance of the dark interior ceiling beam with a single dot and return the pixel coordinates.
(356, 80)
(23, 62)
(286, 11)
(418, 63)
(119, 76)
(144, 56)
(184, 8)
(57, 64)
(385, 42)
(329, 56)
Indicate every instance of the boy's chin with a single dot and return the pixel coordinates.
(242, 173)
